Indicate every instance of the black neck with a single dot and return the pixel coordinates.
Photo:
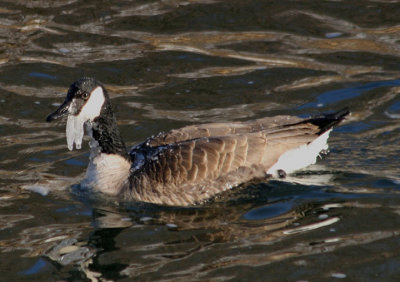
(106, 133)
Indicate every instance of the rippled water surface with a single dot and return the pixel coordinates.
(173, 63)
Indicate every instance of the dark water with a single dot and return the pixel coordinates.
(172, 63)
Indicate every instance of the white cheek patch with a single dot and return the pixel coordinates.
(90, 111)
(92, 108)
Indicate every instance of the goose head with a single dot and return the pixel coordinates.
(86, 100)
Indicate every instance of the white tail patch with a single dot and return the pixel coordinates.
(89, 111)
(302, 156)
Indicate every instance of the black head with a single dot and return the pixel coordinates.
(85, 98)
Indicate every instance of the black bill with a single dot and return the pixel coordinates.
(60, 112)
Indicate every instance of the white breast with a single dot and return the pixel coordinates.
(107, 173)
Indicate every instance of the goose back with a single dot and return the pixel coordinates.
(188, 165)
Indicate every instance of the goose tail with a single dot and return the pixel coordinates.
(326, 121)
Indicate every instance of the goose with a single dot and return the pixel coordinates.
(190, 165)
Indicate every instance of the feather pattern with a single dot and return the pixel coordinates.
(186, 166)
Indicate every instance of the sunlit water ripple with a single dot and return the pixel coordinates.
(172, 63)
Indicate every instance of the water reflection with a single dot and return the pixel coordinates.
(201, 231)
(172, 63)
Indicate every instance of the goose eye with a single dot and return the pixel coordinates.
(85, 95)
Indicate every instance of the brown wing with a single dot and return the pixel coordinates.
(213, 157)
(191, 171)
(219, 129)
(210, 158)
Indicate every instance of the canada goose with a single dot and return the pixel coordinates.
(188, 165)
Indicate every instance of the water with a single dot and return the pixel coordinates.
(172, 63)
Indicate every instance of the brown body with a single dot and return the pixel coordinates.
(197, 162)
